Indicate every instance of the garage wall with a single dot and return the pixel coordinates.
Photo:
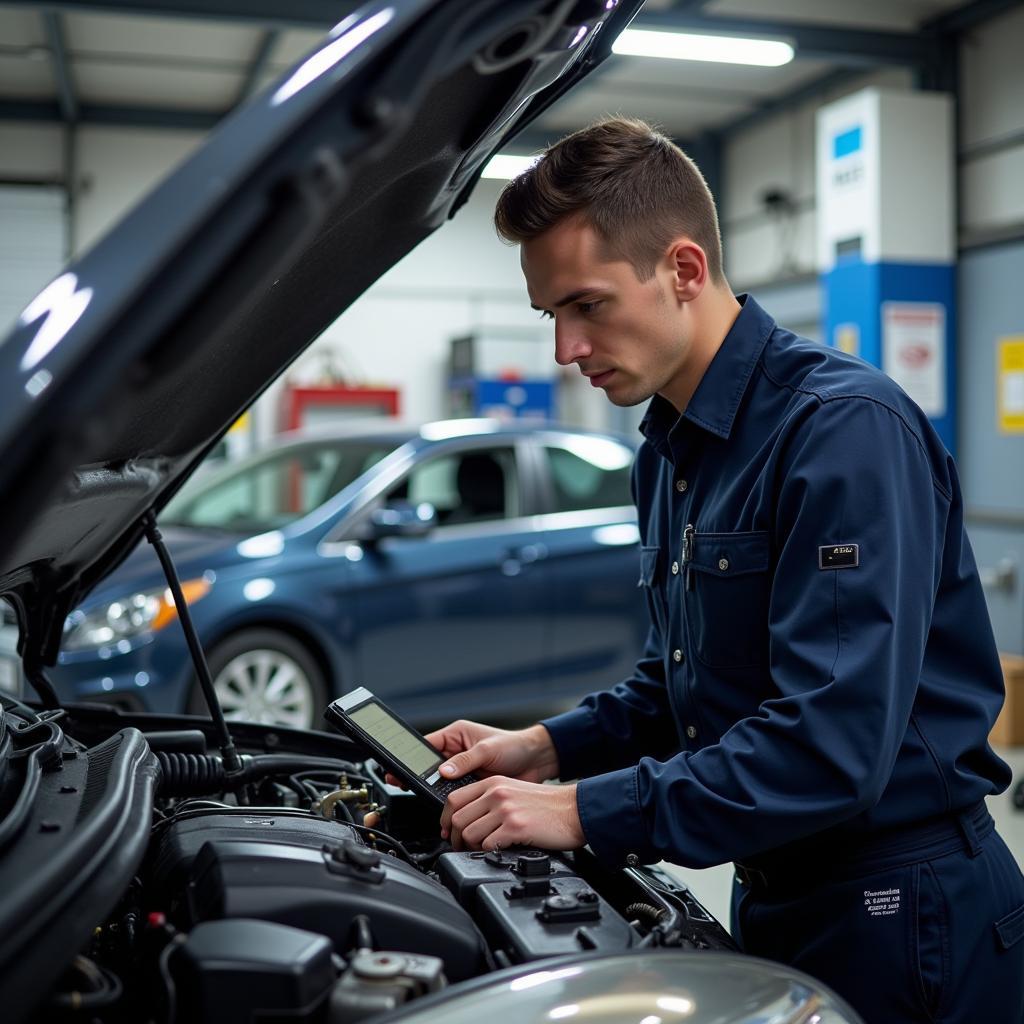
(114, 168)
(778, 153)
(461, 280)
(31, 153)
(32, 244)
(992, 130)
(991, 271)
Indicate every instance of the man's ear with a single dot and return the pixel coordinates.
(689, 268)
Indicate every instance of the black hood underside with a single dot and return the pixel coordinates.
(237, 262)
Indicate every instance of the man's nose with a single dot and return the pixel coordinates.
(570, 344)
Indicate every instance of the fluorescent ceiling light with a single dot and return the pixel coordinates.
(637, 42)
(505, 166)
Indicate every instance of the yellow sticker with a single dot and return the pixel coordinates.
(847, 338)
(241, 424)
(1010, 384)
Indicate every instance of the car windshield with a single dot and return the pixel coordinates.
(273, 489)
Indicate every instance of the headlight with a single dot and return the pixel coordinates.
(144, 612)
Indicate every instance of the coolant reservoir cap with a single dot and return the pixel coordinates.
(533, 863)
(378, 966)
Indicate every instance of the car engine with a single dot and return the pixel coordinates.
(144, 882)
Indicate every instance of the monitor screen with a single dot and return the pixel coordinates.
(403, 744)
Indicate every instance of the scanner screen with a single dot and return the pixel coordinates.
(404, 745)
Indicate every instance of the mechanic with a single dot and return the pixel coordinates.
(820, 676)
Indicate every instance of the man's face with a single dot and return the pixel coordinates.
(627, 336)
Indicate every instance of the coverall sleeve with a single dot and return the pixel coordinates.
(616, 727)
(846, 649)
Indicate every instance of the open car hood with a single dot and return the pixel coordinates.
(126, 369)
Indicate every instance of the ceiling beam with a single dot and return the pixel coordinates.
(61, 66)
(260, 60)
(114, 116)
(968, 16)
(315, 14)
(825, 41)
(811, 91)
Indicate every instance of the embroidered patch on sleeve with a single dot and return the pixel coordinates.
(839, 556)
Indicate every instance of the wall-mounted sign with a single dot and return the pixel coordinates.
(914, 351)
(846, 338)
(1010, 384)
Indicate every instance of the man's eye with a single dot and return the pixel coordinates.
(588, 307)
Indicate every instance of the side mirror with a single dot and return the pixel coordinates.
(403, 519)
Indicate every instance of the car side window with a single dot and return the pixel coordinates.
(477, 485)
(593, 476)
(272, 494)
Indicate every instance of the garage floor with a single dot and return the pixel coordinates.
(713, 886)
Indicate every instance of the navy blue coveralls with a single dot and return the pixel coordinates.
(817, 686)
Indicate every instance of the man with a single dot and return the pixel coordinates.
(820, 675)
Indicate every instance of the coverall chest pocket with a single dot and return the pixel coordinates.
(726, 598)
(651, 583)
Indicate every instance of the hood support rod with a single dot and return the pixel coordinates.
(232, 762)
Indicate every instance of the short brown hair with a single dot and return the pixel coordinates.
(636, 188)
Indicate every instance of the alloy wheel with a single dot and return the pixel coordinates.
(265, 686)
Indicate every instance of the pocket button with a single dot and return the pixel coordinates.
(723, 564)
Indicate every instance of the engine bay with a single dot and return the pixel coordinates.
(174, 890)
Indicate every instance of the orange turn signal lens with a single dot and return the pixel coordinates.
(193, 590)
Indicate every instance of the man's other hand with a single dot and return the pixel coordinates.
(499, 812)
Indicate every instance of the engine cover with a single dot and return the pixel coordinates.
(324, 889)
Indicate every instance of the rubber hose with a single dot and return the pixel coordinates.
(190, 774)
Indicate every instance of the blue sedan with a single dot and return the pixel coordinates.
(466, 568)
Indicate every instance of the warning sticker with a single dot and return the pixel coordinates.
(882, 903)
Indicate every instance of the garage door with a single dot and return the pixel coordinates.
(32, 245)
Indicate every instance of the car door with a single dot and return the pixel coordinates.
(591, 538)
(450, 623)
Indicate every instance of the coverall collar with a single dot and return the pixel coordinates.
(717, 399)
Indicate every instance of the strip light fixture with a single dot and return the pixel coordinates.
(505, 166)
(640, 42)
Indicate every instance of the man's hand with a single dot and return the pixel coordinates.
(470, 747)
(483, 750)
(502, 812)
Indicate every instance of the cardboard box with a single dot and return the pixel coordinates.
(1009, 728)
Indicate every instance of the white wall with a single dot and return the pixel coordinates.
(461, 280)
(777, 153)
(115, 167)
(31, 153)
(112, 167)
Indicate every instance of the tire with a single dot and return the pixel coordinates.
(264, 675)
